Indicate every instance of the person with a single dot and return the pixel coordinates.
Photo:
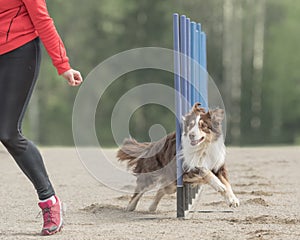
(23, 24)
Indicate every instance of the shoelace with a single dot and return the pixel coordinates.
(48, 216)
(64, 209)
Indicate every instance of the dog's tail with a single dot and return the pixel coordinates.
(131, 151)
(149, 156)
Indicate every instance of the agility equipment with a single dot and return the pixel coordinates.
(190, 80)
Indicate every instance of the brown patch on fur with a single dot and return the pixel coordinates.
(222, 173)
(198, 176)
(197, 109)
(203, 125)
(212, 120)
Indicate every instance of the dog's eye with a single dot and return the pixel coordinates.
(204, 126)
(200, 124)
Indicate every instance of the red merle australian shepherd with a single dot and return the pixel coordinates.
(203, 153)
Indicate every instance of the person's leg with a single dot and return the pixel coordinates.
(30, 161)
(18, 73)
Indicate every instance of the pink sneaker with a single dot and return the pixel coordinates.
(52, 214)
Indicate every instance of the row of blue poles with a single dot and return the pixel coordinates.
(190, 78)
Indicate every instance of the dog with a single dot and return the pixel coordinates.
(203, 154)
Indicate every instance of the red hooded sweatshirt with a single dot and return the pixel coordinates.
(22, 21)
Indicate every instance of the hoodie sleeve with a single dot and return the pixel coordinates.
(47, 32)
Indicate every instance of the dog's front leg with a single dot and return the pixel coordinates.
(204, 176)
(231, 199)
(212, 180)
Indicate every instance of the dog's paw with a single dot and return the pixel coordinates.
(152, 208)
(233, 202)
(130, 208)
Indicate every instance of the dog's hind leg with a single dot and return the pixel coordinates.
(160, 193)
(144, 183)
(229, 196)
(134, 201)
(170, 189)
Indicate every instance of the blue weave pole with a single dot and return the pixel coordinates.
(204, 75)
(183, 62)
(193, 65)
(188, 62)
(190, 80)
(178, 105)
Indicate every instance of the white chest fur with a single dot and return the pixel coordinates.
(207, 155)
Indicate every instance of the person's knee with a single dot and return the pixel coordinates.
(15, 144)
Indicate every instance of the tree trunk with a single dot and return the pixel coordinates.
(232, 60)
(258, 64)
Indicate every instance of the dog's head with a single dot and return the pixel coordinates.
(200, 126)
(191, 132)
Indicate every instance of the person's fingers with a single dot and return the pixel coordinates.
(77, 78)
(73, 77)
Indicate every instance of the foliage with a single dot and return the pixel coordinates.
(95, 30)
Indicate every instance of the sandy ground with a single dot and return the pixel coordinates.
(266, 180)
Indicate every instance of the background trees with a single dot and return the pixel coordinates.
(253, 56)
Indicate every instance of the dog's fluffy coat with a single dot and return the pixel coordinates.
(203, 153)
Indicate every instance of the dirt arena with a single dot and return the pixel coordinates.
(266, 180)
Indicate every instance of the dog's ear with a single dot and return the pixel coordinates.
(217, 115)
(197, 109)
(206, 116)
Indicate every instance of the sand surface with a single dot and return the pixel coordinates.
(266, 180)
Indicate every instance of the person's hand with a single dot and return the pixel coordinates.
(73, 77)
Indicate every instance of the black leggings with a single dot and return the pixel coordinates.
(18, 73)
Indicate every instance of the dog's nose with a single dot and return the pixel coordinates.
(192, 136)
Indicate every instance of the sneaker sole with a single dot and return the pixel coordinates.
(47, 233)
